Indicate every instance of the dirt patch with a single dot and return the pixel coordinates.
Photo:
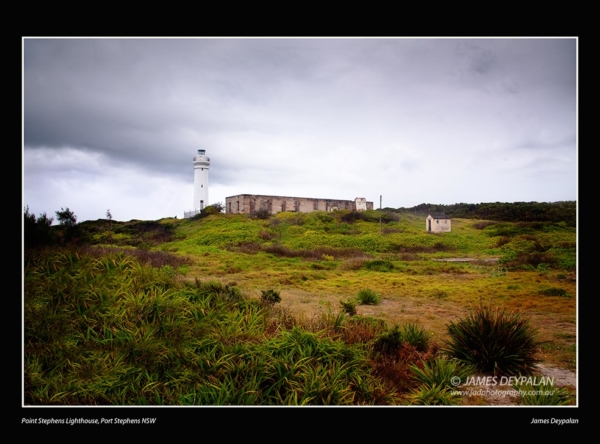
(562, 377)
(504, 395)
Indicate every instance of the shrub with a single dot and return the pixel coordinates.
(389, 341)
(389, 216)
(379, 265)
(270, 297)
(502, 240)
(212, 209)
(355, 263)
(367, 296)
(66, 217)
(494, 341)
(544, 394)
(362, 329)
(555, 291)
(411, 334)
(322, 216)
(522, 260)
(37, 231)
(441, 371)
(415, 336)
(262, 213)
(216, 293)
(432, 395)
(349, 306)
(353, 216)
(483, 224)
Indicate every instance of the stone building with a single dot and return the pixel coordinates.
(438, 223)
(250, 203)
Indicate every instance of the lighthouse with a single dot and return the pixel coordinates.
(201, 163)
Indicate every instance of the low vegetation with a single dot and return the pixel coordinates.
(544, 394)
(494, 342)
(319, 308)
(366, 296)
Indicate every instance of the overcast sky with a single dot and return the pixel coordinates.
(115, 123)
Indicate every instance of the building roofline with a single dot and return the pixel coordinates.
(438, 216)
(292, 197)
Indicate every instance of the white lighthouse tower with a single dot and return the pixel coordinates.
(201, 163)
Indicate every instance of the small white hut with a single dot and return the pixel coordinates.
(438, 223)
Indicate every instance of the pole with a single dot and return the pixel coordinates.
(380, 226)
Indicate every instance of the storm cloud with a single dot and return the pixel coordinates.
(113, 123)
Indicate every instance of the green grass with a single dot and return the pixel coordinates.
(112, 331)
(170, 312)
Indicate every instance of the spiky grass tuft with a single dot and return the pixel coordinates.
(494, 341)
(441, 371)
(432, 395)
(366, 296)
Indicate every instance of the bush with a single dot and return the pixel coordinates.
(37, 231)
(415, 336)
(216, 208)
(367, 296)
(391, 340)
(544, 394)
(440, 371)
(483, 224)
(66, 217)
(270, 297)
(494, 341)
(522, 260)
(432, 395)
(349, 306)
(555, 291)
(379, 265)
(262, 213)
(213, 209)
(353, 216)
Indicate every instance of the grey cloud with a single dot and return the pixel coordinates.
(273, 113)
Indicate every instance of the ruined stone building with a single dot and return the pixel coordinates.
(250, 203)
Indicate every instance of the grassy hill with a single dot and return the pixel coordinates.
(231, 309)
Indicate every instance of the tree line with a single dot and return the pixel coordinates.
(563, 211)
(39, 231)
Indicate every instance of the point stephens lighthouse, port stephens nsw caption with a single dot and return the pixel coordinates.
(201, 163)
